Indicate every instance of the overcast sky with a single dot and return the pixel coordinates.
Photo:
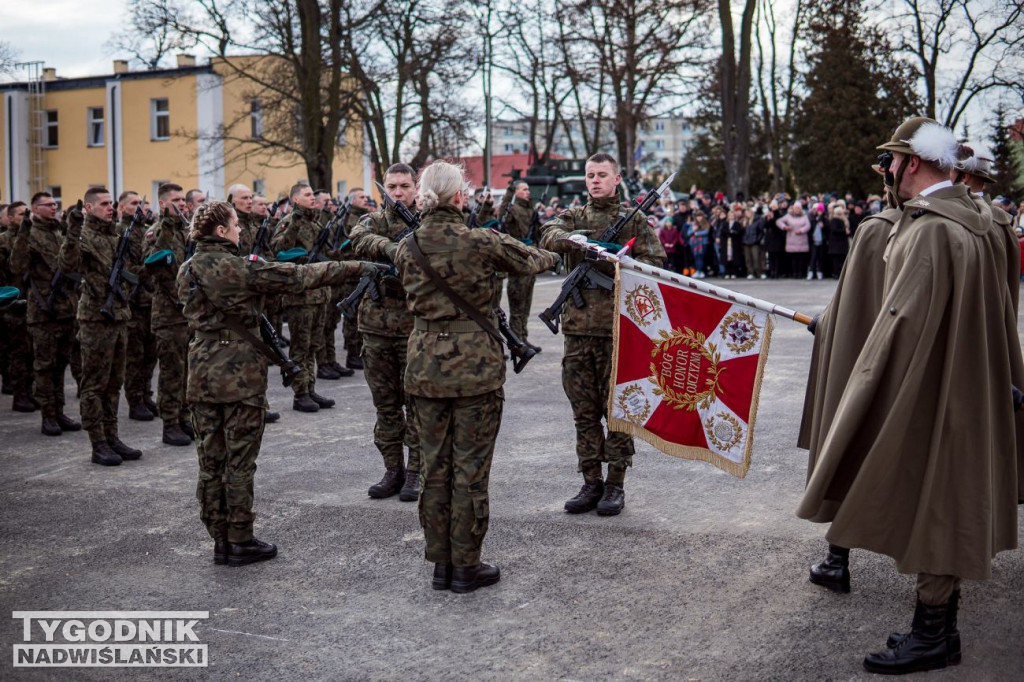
(66, 34)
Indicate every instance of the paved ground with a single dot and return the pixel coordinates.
(702, 577)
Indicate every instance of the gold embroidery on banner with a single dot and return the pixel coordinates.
(643, 305)
(723, 431)
(685, 369)
(740, 332)
(634, 404)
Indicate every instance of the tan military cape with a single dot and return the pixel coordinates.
(920, 461)
(843, 328)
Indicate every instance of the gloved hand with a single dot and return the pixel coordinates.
(813, 326)
(368, 269)
(559, 262)
(75, 216)
(391, 250)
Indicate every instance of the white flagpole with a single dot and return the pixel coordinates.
(625, 261)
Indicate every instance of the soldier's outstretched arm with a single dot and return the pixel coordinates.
(554, 232)
(289, 278)
(512, 256)
(368, 243)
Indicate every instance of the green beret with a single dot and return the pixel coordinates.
(160, 259)
(292, 254)
(491, 224)
(8, 295)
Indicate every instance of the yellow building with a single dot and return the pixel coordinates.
(138, 129)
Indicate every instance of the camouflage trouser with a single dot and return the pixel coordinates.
(306, 326)
(350, 330)
(172, 353)
(457, 436)
(52, 343)
(586, 370)
(228, 437)
(384, 367)
(103, 356)
(141, 357)
(75, 361)
(332, 316)
(520, 297)
(19, 368)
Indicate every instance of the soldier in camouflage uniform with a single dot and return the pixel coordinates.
(165, 252)
(305, 310)
(586, 366)
(227, 378)
(328, 359)
(19, 369)
(141, 347)
(385, 326)
(36, 250)
(455, 373)
(520, 289)
(90, 249)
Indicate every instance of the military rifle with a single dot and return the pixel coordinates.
(349, 306)
(118, 271)
(339, 241)
(269, 335)
(190, 244)
(531, 234)
(261, 241)
(585, 275)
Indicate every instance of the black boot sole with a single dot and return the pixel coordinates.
(918, 667)
(381, 494)
(579, 510)
(220, 559)
(609, 512)
(842, 587)
(408, 497)
(464, 588)
(249, 559)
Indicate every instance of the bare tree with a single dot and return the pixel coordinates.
(150, 37)
(587, 82)
(962, 48)
(734, 78)
(652, 49)
(777, 89)
(8, 58)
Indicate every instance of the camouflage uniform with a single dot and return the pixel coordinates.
(19, 369)
(305, 310)
(385, 326)
(249, 225)
(586, 365)
(227, 376)
(36, 250)
(350, 329)
(520, 289)
(90, 250)
(455, 374)
(141, 356)
(168, 323)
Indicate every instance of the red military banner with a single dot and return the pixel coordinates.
(687, 370)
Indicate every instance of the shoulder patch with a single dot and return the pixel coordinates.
(253, 258)
(493, 230)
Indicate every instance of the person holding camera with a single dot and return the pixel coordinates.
(227, 368)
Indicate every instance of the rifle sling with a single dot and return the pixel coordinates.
(443, 287)
(235, 324)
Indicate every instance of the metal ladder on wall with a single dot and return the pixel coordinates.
(37, 124)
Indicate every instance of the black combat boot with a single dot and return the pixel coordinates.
(102, 454)
(50, 427)
(442, 579)
(587, 498)
(324, 403)
(834, 572)
(952, 632)
(23, 403)
(140, 413)
(151, 406)
(468, 578)
(354, 362)
(126, 453)
(342, 371)
(613, 500)
(394, 479)
(271, 417)
(240, 554)
(411, 490)
(326, 372)
(303, 403)
(173, 435)
(186, 427)
(7, 389)
(923, 649)
(220, 552)
(66, 423)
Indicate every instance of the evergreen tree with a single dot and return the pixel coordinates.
(1008, 170)
(857, 93)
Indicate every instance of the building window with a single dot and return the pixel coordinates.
(95, 122)
(50, 137)
(659, 144)
(509, 131)
(342, 190)
(256, 119)
(659, 125)
(54, 190)
(259, 186)
(159, 119)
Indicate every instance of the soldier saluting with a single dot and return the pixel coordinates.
(586, 367)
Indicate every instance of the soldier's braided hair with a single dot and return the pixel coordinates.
(439, 182)
(209, 216)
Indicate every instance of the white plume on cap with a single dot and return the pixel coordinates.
(980, 161)
(936, 143)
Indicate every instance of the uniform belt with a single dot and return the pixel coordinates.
(446, 326)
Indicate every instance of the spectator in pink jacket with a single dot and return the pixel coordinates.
(796, 225)
(669, 236)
